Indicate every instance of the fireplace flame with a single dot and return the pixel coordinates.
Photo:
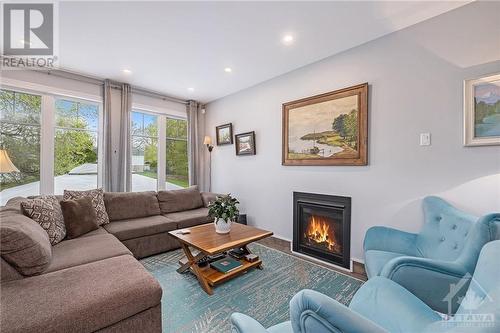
(319, 231)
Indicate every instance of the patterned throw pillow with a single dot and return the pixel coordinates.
(46, 211)
(97, 197)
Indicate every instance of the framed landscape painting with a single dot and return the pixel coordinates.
(224, 134)
(245, 143)
(327, 129)
(482, 111)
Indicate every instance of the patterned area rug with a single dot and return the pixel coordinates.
(261, 294)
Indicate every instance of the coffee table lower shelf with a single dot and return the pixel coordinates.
(214, 277)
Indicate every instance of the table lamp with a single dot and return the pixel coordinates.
(6, 165)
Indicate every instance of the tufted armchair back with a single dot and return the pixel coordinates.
(452, 235)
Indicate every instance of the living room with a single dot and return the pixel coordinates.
(250, 166)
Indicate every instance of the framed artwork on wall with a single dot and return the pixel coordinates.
(245, 143)
(482, 111)
(327, 129)
(224, 134)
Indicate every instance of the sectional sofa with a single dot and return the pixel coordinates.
(93, 283)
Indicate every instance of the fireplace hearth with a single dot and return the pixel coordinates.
(322, 227)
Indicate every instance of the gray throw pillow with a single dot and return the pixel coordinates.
(46, 211)
(97, 197)
(79, 216)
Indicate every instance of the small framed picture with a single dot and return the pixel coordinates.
(224, 134)
(245, 143)
(482, 111)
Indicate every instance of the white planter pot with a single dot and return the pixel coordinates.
(221, 226)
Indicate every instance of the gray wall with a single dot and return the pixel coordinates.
(416, 80)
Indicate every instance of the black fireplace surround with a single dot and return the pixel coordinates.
(322, 227)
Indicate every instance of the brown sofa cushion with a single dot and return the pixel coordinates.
(79, 216)
(46, 211)
(131, 205)
(97, 197)
(190, 218)
(84, 250)
(83, 298)
(140, 227)
(209, 197)
(23, 243)
(180, 200)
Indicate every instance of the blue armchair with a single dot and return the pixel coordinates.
(381, 305)
(427, 263)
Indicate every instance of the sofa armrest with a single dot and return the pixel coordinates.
(311, 312)
(391, 240)
(208, 197)
(241, 323)
(428, 279)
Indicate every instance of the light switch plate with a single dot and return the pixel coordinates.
(425, 139)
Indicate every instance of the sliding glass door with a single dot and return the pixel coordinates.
(76, 159)
(159, 157)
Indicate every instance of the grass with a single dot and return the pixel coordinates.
(25, 180)
(176, 180)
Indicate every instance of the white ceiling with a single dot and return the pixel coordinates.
(173, 46)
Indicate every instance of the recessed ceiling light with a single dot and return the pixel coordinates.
(126, 71)
(228, 69)
(191, 89)
(287, 39)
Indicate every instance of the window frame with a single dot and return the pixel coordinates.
(160, 164)
(48, 126)
(29, 92)
(100, 134)
(162, 114)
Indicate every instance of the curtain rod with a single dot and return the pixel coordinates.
(115, 84)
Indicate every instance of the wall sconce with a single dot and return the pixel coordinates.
(208, 142)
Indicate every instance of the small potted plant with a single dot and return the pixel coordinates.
(224, 210)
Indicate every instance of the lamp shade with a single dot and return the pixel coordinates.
(207, 140)
(6, 165)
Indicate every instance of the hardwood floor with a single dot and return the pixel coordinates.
(284, 246)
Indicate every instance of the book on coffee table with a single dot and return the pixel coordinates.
(225, 265)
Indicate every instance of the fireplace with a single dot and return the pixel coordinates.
(322, 227)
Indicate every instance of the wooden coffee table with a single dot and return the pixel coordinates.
(208, 242)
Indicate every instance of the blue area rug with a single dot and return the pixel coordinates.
(262, 294)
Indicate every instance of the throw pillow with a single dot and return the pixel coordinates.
(23, 243)
(97, 197)
(46, 211)
(79, 216)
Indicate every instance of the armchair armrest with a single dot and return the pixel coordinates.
(396, 265)
(391, 240)
(311, 311)
(241, 323)
(428, 279)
